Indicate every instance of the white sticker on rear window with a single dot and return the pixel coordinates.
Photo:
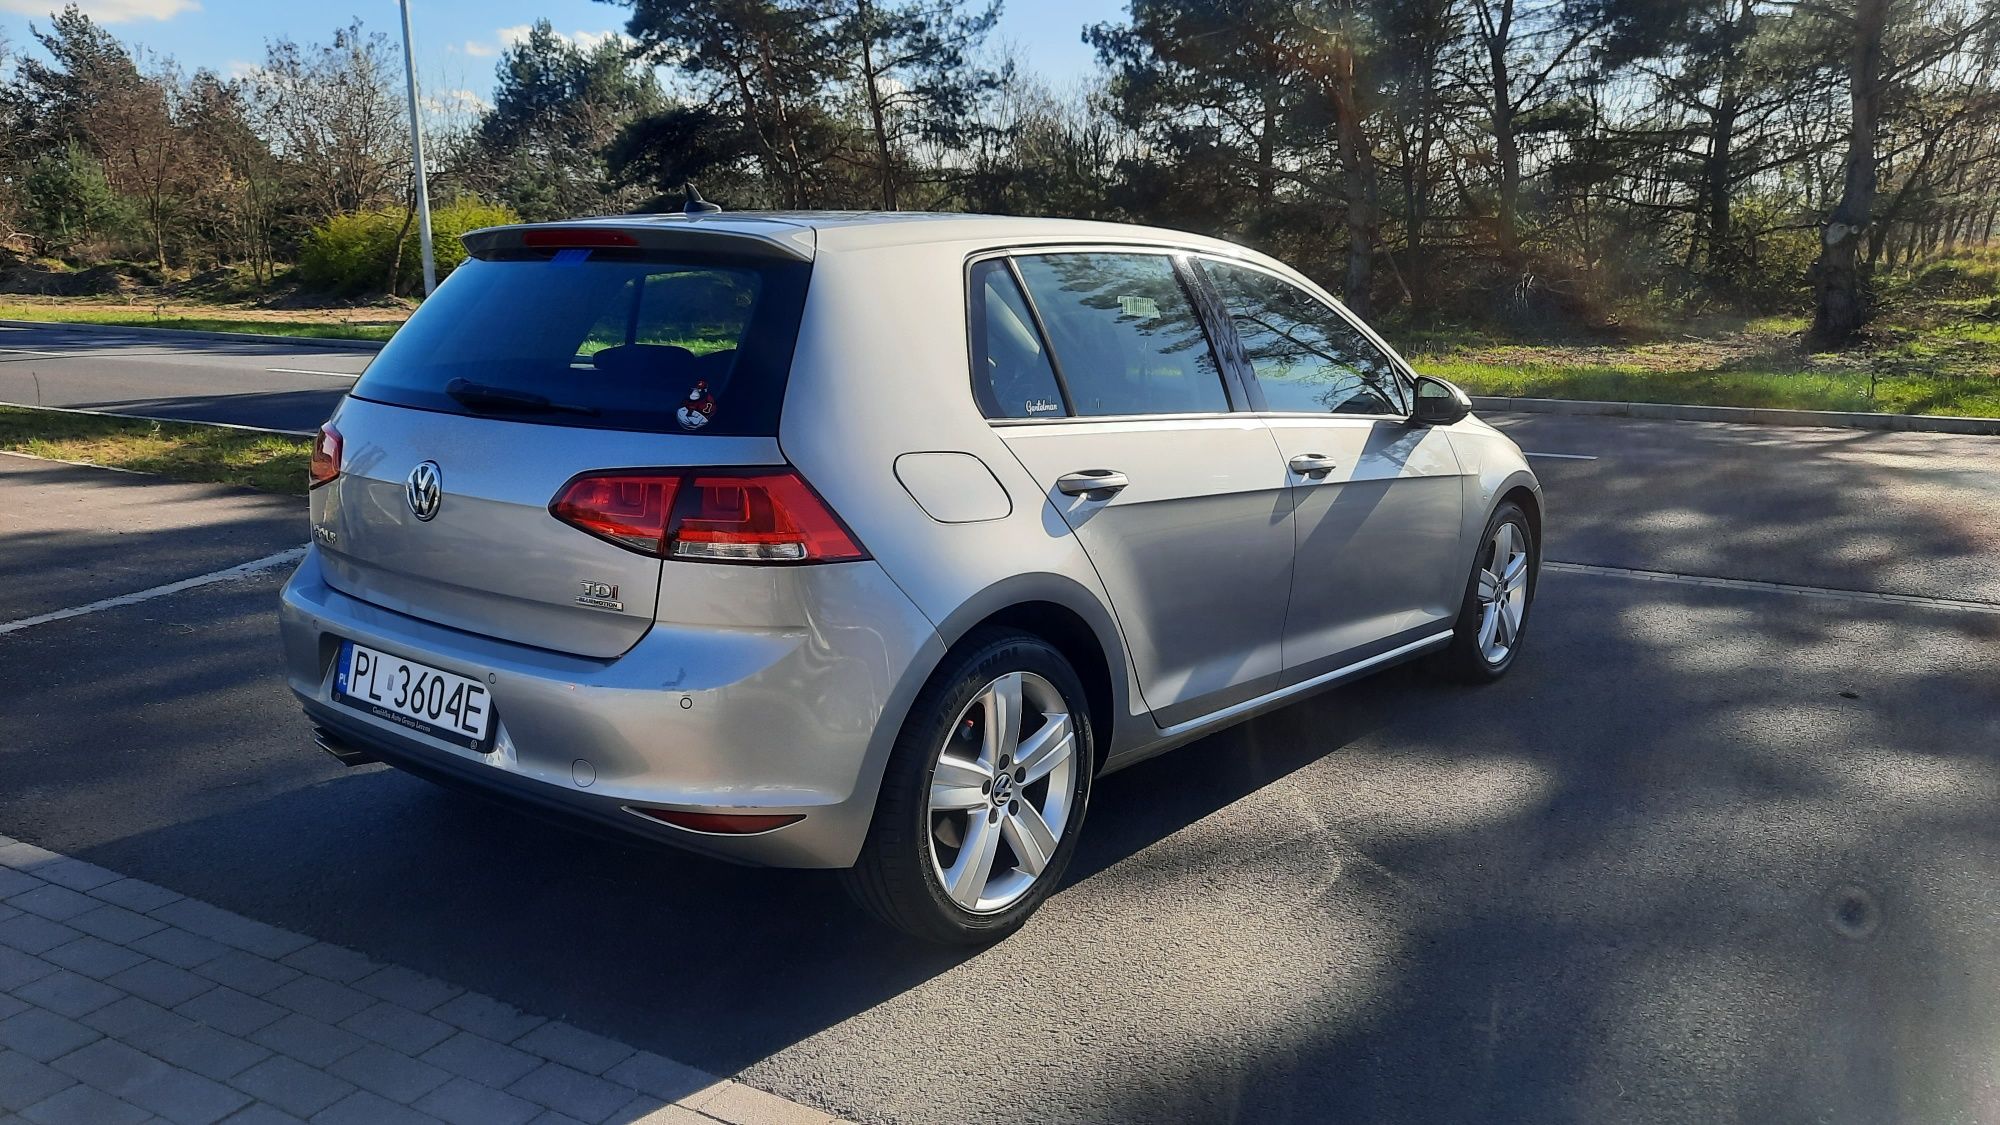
(1142, 308)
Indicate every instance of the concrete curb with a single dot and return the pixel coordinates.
(189, 334)
(1760, 416)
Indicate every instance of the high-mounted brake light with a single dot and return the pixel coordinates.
(709, 515)
(325, 463)
(576, 237)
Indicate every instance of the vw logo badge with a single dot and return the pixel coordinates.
(425, 490)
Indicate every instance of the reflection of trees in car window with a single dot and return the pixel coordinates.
(1306, 356)
(1125, 332)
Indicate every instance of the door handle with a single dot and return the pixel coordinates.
(1092, 484)
(1313, 464)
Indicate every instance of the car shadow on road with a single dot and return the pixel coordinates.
(72, 534)
(1754, 879)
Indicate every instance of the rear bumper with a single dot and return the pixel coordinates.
(790, 721)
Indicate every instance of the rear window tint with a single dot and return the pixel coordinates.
(1011, 373)
(1126, 334)
(602, 338)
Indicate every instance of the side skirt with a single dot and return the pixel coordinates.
(1182, 733)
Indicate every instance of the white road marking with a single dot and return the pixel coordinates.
(231, 574)
(1863, 596)
(1562, 456)
(32, 351)
(305, 371)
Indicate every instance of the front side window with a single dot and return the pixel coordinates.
(1011, 373)
(1125, 334)
(1306, 356)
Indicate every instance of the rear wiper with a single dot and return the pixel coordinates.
(479, 396)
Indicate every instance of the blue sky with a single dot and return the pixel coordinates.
(458, 40)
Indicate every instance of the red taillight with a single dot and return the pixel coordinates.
(727, 824)
(576, 237)
(763, 515)
(630, 509)
(325, 463)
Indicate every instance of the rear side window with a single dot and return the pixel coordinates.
(1011, 373)
(1306, 356)
(1125, 333)
(602, 338)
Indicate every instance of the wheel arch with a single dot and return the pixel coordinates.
(1064, 614)
(1529, 497)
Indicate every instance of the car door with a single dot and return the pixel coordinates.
(1377, 502)
(1098, 370)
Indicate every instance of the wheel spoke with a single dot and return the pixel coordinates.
(1046, 749)
(1503, 545)
(1517, 571)
(1028, 834)
(1510, 612)
(966, 880)
(1003, 718)
(1489, 621)
(1489, 586)
(957, 784)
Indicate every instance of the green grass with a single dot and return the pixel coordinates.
(1937, 357)
(1792, 390)
(83, 314)
(271, 462)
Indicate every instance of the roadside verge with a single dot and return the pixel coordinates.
(267, 460)
(1761, 416)
(321, 342)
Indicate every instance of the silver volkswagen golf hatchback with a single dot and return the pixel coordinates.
(869, 541)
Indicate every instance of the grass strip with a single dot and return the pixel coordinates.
(1965, 396)
(316, 330)
(182, 450)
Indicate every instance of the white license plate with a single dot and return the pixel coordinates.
(418, 696)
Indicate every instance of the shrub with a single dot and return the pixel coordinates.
(352, 254)
(349, 254)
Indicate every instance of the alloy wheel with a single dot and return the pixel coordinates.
(1003, 792)
(1503, 592)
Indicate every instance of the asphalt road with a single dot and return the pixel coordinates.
(278, 386)
(1706, 854)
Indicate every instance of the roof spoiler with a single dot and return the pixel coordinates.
(781, 241)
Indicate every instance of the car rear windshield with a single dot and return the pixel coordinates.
(605, 338)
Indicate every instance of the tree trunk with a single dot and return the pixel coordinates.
(1839, 297)
(871, 86)
(396, 255)
(1715, 178)
(1363, 215)
(1506, 146)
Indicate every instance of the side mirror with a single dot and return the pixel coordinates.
(1439, 403)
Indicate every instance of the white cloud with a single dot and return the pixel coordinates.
(108, 11)
(520, 31)
(238, 69)
(479, 50)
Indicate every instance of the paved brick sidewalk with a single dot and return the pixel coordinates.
(122, 1002)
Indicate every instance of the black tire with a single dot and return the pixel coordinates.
(1464, 660)
(894, 878)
